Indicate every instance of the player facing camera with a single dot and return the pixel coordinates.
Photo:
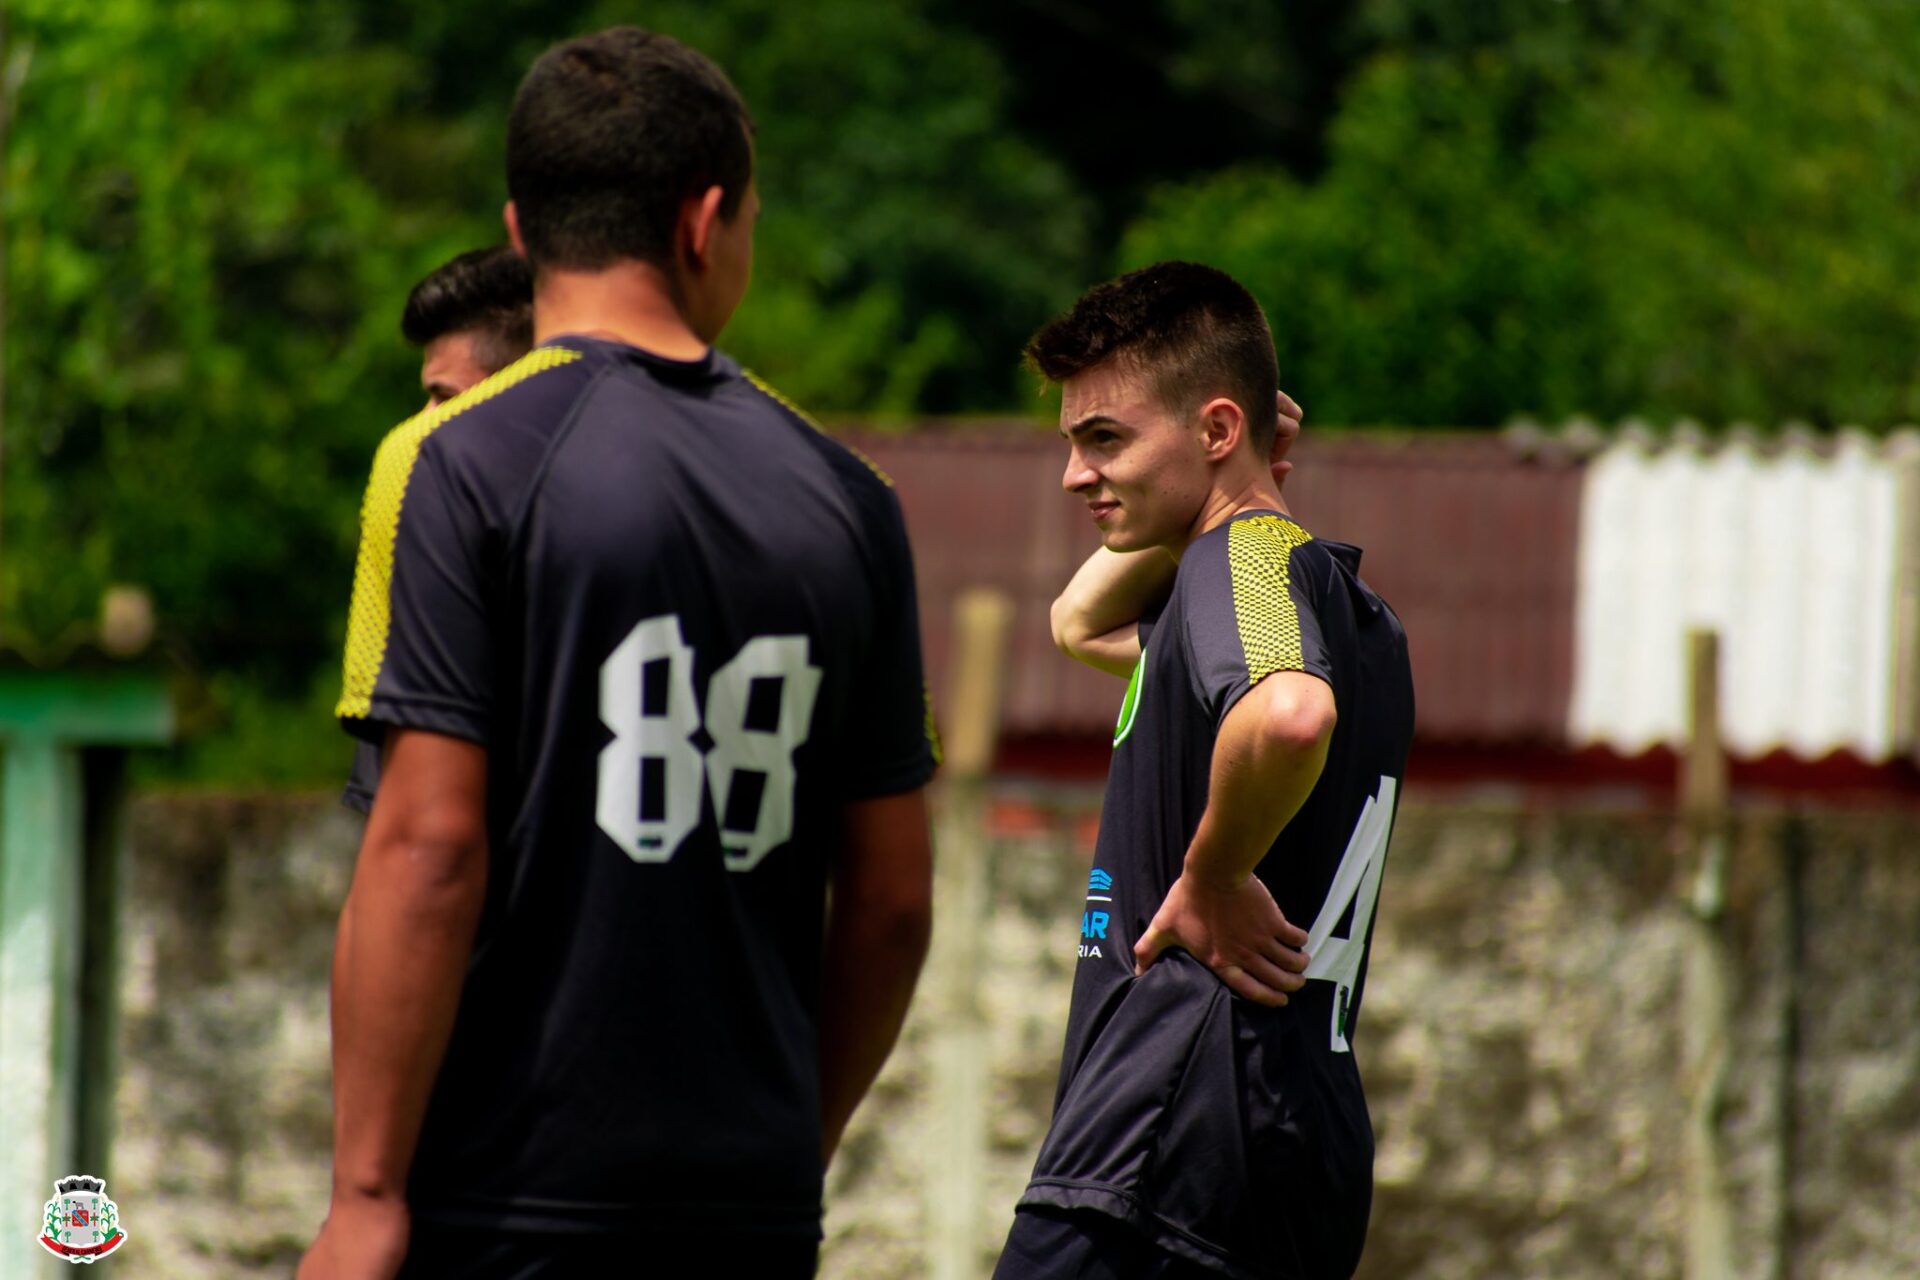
(1209, 1116)
(1168, 401)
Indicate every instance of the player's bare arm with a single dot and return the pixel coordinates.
(1094, 619)
(1266, 760)
(879, 919)
(405, 936)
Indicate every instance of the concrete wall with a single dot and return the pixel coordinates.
(1521, 1042)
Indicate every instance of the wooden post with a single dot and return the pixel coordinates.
(1904, 455)
(957, 1156)
(1705, 1007)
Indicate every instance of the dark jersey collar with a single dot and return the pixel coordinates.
(714, 366)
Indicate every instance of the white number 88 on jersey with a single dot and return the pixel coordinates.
(759, 712)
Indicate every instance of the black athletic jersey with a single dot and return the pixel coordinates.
(363, 778)
(682, 622)
(1233, 1134)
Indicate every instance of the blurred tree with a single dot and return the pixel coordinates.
(213, 210)
(1129, 93)
(201, 332)
(910, 239)
(1698, 213)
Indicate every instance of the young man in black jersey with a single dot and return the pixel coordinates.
(1210, 1119)
(642, 646)
(471, 317)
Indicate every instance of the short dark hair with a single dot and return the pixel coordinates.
(1194, 331)
(609, 133)
(488, 291)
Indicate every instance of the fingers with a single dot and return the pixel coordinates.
(1287, 431)
(1244, 984)
(1292, 959)
(1290, 934)
(1272, 976)
(1148, 949)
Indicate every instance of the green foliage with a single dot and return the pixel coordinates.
(909, 241)
(1700, 218)
(201, 290)
(212, 210)
(202, 286)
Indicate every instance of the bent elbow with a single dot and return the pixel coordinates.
(1302, 723)
(1066, 635)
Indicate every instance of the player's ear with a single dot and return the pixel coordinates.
(511, 216)
(699, 222)
(1222, 426)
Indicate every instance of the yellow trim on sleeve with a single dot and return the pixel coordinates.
(1259, 558)
(933, 729)
(807, 418)
(370, 615)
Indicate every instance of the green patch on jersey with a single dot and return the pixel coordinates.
(1130, 705)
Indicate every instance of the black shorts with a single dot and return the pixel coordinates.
(1082, 1244)
(468, 1253)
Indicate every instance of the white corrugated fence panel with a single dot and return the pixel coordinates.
(1791, 557)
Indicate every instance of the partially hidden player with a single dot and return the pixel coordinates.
(470, 317)
(1209, 1118)
(642, 646)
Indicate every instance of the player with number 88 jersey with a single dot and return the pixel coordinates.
(660, 707)
(641, 648)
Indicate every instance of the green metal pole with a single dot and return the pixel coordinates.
(40, 940)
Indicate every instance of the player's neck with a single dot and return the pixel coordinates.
(1229, 498)
(631, 302)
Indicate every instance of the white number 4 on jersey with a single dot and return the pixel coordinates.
(1356, 882)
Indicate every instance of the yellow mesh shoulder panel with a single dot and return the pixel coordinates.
(807, 418)
(369, 616)
(933, 729)
(1259, 556)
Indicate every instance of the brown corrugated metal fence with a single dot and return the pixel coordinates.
(1472, 543)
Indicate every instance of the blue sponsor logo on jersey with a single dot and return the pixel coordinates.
(1093, 923)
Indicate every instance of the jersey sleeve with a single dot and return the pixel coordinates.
(419, 649)
(1252, 613)
(892, 743)
(363, 779)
